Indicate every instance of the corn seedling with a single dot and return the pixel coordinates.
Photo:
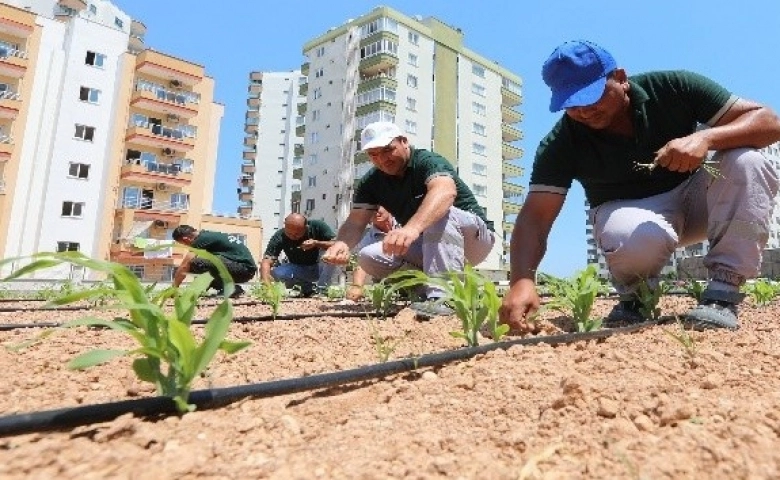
(381, 297)
(761, 291)
(168, 354)
(694, 288)
(385, 346)
(335, 292)
(649, 298)
(270, 294)
(685, 339)
(707, 166)
(575, 297)
(473, 297)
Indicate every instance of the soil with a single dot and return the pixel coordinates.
(638, 406)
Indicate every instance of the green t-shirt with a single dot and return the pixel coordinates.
(665, 105)
(402, 196)
(224, 245)
(279, 242)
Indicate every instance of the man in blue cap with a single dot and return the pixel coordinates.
(637, 145)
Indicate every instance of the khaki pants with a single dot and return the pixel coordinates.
(732, 211)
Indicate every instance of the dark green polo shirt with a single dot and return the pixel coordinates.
(224, 245)
(279, 242)
(665, 105)
(402, 196)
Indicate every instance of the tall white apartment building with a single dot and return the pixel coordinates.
(105, 145)
(272, 148)
(417, 73)
(596, 256)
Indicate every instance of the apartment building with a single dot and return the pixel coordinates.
(272, 149)
(417, 73)
(108, 145)
(689, 258)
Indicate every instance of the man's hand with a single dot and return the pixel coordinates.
(682, 154)
(308, 244)
(397, 242)
(354, 293)
(337, 254)
(520, 302)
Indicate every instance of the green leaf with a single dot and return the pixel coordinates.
(181, 337)
(94, 357)
(215, 331)
(233, 347)
(144, 370)
(32, 267)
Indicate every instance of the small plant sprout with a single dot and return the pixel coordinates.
(575, 297)
(473, 297)
(694, 288)
(649, 297)
(761, 291)
(168, 354)
(381, 297)
(385, 346)
(707, 165)
(335, 292)
(684, 339)
(271, 293)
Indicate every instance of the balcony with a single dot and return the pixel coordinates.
(250, 155)
(250, 129)
(510, 98)
(256, 77)
(255, 90)
(300, 130)
(510, 208)
(295, 196)
(510, 115)
(245, 210)
(361, 157)
(248, 168)
(510, 133)
(13, 63)
(386, 105)
(376, 64)
(245, 196)
(512, 188)
(250, 142)
(508, 227)
(298, 150)
(149, 209)
(377, 81)
(137, 33)
(162, 175)
(159, 137)
(6, 147)
(15, 22)
(302, 108)
(77, 5)
(303, 89)
(297, 173)
(305, 69)
(159, 65)
(155, 98)
(510, 152)
(247, 181)
(9, 102)
(253, 103)
(511, 170)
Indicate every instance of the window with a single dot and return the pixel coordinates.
(414, 38)
(320, 51)
(313, 159)
(310, 204)
(85, 133)
(67, 246)
(478, 89)
(411, 80)
(319, 72)
(91, 95)
(478, 149)
(314, 137)
(479, 169)
(313, 181)
(478, 70)
(411, 127)
(180, 201)
(478, 128)
(411, 104)
(95, 59)
(78, 170)
(315, 115)
(479, 190)
(118, 22)
(478, 108)
(317, 93)
(72, 209)
(412, 59)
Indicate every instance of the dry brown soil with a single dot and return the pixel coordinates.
(636, 406)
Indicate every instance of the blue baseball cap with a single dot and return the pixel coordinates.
(576, 72)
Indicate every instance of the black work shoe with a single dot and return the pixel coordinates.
(625, 313)
(238, 290)
(717, 309)
(431, 308)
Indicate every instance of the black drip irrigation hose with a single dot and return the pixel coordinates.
(4, 327)
(64, 418)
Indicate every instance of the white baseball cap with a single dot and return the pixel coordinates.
(379, 134)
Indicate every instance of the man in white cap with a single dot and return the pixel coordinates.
(442, 225)
(636, 146)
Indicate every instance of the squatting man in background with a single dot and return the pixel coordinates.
(636, 146)
(301, 240)
(381, 223)
(442, 225)
(228, 248)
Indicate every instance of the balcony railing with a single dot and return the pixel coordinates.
(166, 168)
(7, 139)
(151, 204)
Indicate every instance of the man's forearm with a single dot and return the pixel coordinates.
(349, 233)
(434, 206)
(265, 270)
(526, 250)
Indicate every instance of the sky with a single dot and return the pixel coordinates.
(734, 43)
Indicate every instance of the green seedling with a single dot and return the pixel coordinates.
(381, 297)
(707, 166)
(473, 297)
(270, 294)
(694, 288)
(761, 291)
(685, 339)
(576, 297)
(649, 298)
(385, 346)
(335, 292)
(168, 354)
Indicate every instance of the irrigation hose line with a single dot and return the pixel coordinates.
(212, 398)
(202, 321)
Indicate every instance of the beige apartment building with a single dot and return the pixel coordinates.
(106, 145)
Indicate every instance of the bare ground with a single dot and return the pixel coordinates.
(638, 406)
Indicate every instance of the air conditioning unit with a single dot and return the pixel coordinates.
(161, 187)
(172, 117)
(168, 152)
(175, 83)
(161, 223)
